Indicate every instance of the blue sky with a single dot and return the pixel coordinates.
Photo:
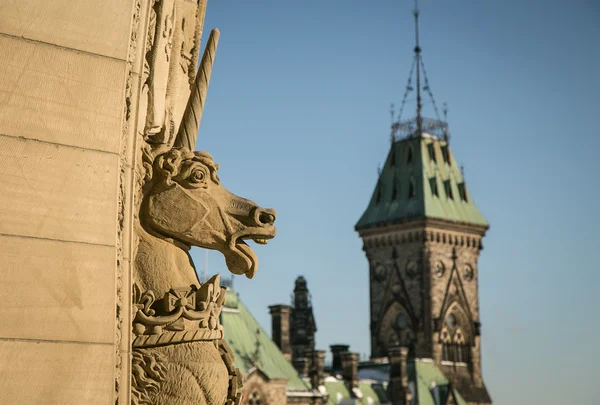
(298, 118)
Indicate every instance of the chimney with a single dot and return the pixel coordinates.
(316, 368)
(398, 387)
(302, 366)
(280, 317)
(350, 369)
(336, 352)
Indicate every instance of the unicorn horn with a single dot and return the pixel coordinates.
(190, 123)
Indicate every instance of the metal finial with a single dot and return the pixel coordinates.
(446, 131)
(392, 134)
(418, 61)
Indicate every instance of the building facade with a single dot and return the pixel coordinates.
(422, 235)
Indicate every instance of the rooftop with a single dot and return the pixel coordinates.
(420, 179)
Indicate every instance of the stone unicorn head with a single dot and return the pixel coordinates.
(188, 203)
(183, 200)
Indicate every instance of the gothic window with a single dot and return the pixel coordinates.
(446, 154)
(255, 399)
(455, 345)
(434, 186)
(410, 156)
(411, 269)
(448, 189)
(431, 152)
(462, 349)
(395, 190)
(462, 190)
(401, 321)
(396, 328)
(393, 340)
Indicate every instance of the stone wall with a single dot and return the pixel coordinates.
(63, 174)
(405, 277)
(271, 391)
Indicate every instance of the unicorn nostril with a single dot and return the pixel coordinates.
(266, 218)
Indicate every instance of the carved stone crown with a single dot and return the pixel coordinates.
(182, 315)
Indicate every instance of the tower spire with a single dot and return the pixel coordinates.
(418, 62)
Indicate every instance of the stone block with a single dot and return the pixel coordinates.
(57, 192)
(99, 27)
(60, 96)
(34, 373)
(56, 290)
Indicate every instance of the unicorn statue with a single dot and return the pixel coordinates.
(179, 356)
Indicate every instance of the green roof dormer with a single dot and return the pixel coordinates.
(420, 179)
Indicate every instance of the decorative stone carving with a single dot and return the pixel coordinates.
(179, 356)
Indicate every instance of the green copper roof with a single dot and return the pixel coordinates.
(244, 335)
(422, 375)
(374, 393)
(429, 375)
(420, 178)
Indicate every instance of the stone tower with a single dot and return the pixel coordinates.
(422, 236)
(302, 321)
(294, 329)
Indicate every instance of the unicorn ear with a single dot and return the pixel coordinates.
(190, 123)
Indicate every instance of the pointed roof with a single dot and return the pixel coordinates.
(420, 179)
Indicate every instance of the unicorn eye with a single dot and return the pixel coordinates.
(197, 176)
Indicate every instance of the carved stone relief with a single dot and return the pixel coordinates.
(178, 352)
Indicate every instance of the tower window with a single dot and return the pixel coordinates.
(393, 157)
(431, 151)
(395, 191)
(455, 346)
(411, 188)
(401, 321)
(448, 189)
(462, 191)
(446, 154)
(409, 159)
(434, 187)
(378, 197)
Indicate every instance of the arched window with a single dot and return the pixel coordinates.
(455, 344)
(463, 350)
(446, 343)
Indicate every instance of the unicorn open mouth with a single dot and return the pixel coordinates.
(240, 257)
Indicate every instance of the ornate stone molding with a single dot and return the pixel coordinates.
(181, 315)
(421, 236)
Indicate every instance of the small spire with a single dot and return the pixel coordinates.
(418, 59)
(445, 112)
(392, 135)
